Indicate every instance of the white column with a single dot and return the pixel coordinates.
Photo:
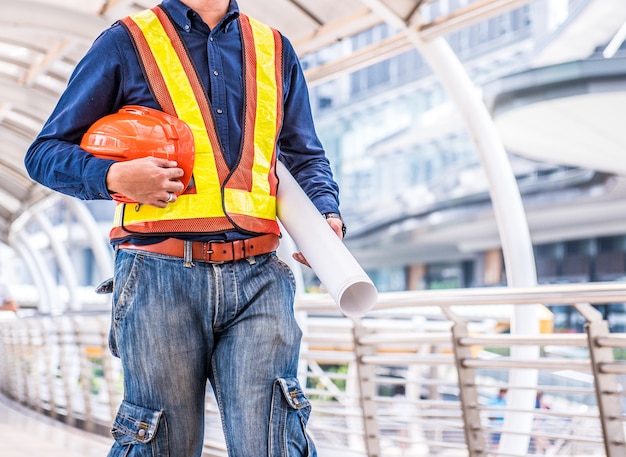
(97, 241)
(62, 257)
(512, 226)
(508, 210)
(41, 276)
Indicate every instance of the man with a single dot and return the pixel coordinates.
(496, 418)
(179, 318)
(6, 300)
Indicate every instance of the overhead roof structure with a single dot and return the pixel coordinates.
(42, 40)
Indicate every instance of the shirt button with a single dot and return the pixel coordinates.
(141, 433)
(216, 72)
(210, 38)
(219, 111)
(187, 27)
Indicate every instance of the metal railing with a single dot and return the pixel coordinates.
(413, 378)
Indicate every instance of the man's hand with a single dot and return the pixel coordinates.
(336, 224)
(10, 305)
(148, 180)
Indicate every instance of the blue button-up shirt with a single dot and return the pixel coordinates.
(110, 76)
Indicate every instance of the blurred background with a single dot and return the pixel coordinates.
(478, 145)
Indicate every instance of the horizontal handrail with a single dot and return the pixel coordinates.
(401, 359)
(405, 337)
(613, 341)
(613, 367)
(415, 355)
(541, 364)
(546, 294)
(555, 339)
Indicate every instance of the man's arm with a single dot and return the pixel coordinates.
(101, 84)
(301, 150)
(299, 146)
(55, 158)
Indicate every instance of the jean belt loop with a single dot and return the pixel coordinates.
(188, 254)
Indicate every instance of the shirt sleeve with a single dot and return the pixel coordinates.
(299, 146)
(55, 158)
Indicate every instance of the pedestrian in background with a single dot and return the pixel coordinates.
(7, 303)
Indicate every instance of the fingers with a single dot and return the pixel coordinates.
(171, 197)
(171, 172)
(147, 180)
(336, 224)
(172, 165)
(300, 258)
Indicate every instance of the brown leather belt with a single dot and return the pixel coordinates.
(212, 251)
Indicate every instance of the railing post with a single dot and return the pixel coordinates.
(22, 341)
(84, 372)
(468, 394)
(606, 384)
(34, 346)
(8, 364)
(65, 344)
(47, 344)
(367, 388)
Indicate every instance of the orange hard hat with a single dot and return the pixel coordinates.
(137, 131)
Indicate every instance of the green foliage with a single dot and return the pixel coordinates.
(315, 383)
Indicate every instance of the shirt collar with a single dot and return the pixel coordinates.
(182, 15)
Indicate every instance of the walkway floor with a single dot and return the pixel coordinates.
(24, 434)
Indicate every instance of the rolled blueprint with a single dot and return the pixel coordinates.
(334, 265)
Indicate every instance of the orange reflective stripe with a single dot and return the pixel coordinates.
(198, 91)
(253, 194)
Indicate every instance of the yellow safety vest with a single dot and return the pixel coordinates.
(221, 199)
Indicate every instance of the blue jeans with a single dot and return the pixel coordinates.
(175, 327)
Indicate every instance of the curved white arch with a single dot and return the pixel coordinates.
(507, 206)
(98, 243)
(36, 265)
(63, 259)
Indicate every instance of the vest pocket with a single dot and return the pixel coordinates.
(135, 432)
(289, 415)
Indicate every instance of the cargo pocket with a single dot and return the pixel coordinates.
(289, 416)
(139, 432)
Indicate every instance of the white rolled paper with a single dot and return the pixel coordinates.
(332, 262)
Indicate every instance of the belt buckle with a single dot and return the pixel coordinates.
(207, 251)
